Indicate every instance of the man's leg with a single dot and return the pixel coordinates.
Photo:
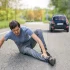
(38, 32)
(35, 54)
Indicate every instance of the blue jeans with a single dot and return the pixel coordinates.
(27, 48)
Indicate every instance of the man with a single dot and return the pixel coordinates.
(26, 39)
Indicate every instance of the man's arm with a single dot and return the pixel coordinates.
(37, 39)
(1, 41)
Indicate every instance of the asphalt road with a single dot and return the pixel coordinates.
(58, 44)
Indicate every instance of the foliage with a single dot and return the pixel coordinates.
(62, 7)
(33, 15)
(8, 13)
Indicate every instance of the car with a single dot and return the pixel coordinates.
(59, 22)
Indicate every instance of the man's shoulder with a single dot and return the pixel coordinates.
(9, 33)
(24, 28)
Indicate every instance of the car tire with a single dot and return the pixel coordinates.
(67, 29)
(51, 30)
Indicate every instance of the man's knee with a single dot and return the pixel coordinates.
(22, 50)
(26, 50)
(38, 32)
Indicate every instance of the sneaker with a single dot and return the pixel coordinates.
(51, 61)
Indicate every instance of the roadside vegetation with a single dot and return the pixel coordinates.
(8, 13)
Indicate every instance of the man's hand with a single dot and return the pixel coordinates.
(1, 41)
(44, 55)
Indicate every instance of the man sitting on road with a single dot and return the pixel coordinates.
(26, 39)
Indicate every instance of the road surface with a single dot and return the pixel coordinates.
(58, 44)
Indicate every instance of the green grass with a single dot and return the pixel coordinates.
(21, 21)
(5, 23)
(46, 21)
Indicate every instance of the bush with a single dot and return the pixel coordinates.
(2, 15)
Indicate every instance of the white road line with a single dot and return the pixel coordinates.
(3, 32)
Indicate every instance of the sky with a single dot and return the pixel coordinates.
(34, 3)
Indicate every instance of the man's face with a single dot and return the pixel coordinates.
(16, 30)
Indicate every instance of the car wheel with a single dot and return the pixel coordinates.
(67, 29)
(51, 30)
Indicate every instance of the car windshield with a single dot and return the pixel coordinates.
(59, 18)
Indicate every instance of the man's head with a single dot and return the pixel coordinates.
(15, 27)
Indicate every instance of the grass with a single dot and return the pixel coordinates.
(5, 23)
(46, 21)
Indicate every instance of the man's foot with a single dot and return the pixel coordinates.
(51, 61)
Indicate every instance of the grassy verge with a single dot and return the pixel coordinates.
(46, 21)
(5, 24)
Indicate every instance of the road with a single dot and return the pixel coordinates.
(58, 44)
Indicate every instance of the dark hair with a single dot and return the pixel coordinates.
(13, 24)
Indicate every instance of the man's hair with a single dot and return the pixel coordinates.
(14, 24)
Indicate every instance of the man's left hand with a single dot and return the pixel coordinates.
(44, 55)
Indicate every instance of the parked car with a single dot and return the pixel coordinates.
(59, 22)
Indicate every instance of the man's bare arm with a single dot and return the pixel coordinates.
(1, 41)
(37, 39)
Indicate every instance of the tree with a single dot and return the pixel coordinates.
(30, 15)
(62, 6)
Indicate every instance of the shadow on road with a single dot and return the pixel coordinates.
(55, 31)
(20, 61)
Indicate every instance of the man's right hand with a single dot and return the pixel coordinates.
(44, 55)
(1, 41)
